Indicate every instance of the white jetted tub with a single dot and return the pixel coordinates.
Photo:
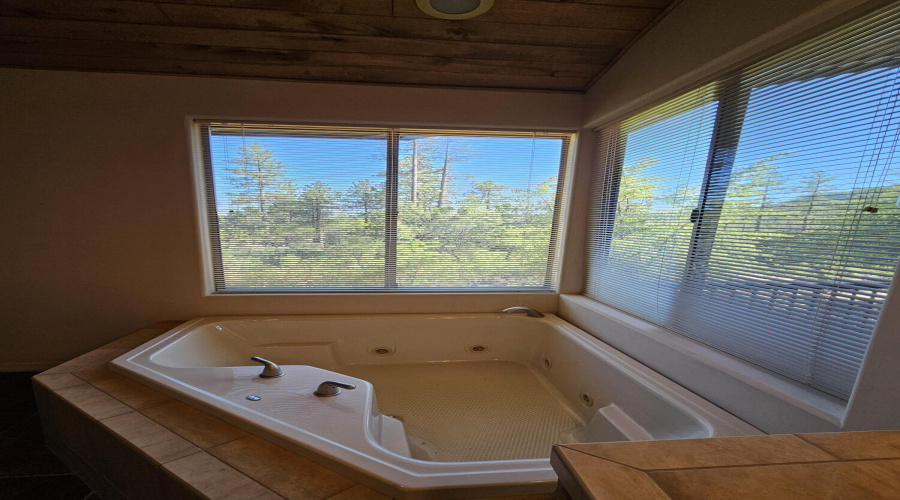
(444, 405)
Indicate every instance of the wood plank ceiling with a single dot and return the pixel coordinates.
(519, 44)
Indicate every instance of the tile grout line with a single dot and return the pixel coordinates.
(354, 485)
(816, 447)
(778, 464)
(39, 475)
(181, 480)
(251, 478)
(658, 485)
(130, 444)
(602, 458)
(226, 442)
(175, 431)
(584, 487)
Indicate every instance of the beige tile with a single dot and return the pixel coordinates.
(216, 480)
(58, 380)
(93, 365)
(153, 439)
(359, 492)
(548, 496)
(196, 426)
(285, 472)
(134, 474)
(855, 445)
(95, 371)
(75, 429)
(168, 324)
(714, 452)
(871, 480)
(599, 478)
(137, 338)
(103, 354)
(134, 394)
(92, 401)
(59, 369)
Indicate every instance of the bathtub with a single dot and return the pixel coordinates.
(444, 405)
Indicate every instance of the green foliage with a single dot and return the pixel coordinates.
(449, 233)
(765, 224)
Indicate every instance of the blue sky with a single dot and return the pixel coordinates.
(846, 125)
(513, 162)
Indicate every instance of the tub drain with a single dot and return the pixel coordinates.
(586, 399)
(478, 348)
(382, 351)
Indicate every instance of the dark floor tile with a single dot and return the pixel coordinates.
(17, 392)
(27, 433)
(8, 420)
(12, 466)
(67, 487)
(23, 452)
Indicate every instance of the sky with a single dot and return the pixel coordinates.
(846, 125)
(517, 162)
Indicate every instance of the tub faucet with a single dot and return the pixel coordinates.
(271, 370)
(534, 313)
(332, 388)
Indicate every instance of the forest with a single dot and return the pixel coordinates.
(451, 230)
(454, 231)
(771, 223)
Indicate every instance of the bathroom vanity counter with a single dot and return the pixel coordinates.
(800, 466)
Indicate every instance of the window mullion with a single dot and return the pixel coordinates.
(612, 145)
(391, 211)
(723, 148)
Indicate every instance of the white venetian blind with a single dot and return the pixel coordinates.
(759, 213)
(330, 208)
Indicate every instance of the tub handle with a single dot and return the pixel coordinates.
(271, 370)
(534, 313)
(332, 388)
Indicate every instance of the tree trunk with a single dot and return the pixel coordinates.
(262, 196)
(414, 183)
(320, 232)
(762, 207)
(444, 173)
(812, 202)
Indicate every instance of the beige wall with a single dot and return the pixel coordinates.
(99, 233)
(700, 37)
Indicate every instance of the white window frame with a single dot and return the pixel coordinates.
(201, 162)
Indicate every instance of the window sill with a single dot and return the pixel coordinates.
(764, 399)
(375, 292)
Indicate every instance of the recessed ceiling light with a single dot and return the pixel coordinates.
(455, 9)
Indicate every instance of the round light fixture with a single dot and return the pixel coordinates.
(455, 9)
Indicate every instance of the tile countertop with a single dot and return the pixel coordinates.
(840, 465)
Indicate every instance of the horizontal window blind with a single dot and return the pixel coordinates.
(332, 209)
(759, 213)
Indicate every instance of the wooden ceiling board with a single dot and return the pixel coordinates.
(520, 44)
(258, 39)
(551, 14)
(176, 52)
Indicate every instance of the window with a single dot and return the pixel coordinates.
(759, 213)
(297, 208)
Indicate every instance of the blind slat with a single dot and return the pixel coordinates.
(329, 208)
(743, 214)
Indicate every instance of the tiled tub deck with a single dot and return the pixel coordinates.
(836, 465)
(128, 441)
